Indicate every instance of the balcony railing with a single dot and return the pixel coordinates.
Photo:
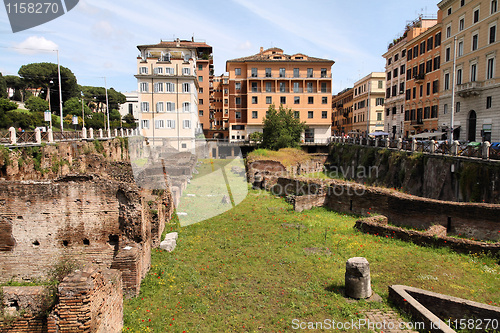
(419, 77)
(290, 76)
(469, 89)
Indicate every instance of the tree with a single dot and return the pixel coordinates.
(44, 76)
(256, 137)
(18, 85)
(36, 104)
(73, 106)
(96, 97)
(281, 129)
(129, 121)
(3, 87)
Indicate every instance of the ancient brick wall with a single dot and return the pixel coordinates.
(473, 220)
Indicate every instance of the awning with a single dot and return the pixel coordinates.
(379, 134)
(426, 135)
(473, 144)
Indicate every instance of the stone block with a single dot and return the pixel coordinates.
(357, 278)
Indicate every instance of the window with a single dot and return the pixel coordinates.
(415, 51)
(296, 87)
(388, 93)
(323, 87)
(185, 87)
(159, 107)
(186, 107)
(461, 48)
(324, 100)
(323, 72)
(237, 114)
(200, 101)
(296, 100)
(493, 33)
(200, 113)
(169, 70)
(255, 114)
(237, 85)
(170, 106)
(475, 39)
(295, 72)
(379, 101)
(143, 70)
(410, 54)
(186, 123)
(237, 71)
(324, 114)
(159, 87)
(309, 72)
(461, 23)
(457, 108)
(144, 87)
(282, 87)
(169, 87)
(421, 90)
(402, 88)
(437, 40)
(428, 66)
(389, 61)
(475, 15)
(186, 71)
(254, 87)
(396, 57)
(462, 3)
(445, 109)
(145, 106)
(428, 89)
(447, 54)
(434, 111)
(160, 123)
(310, 100)
(269, 100)
(268, 72)
(200, 67)
(254, 99)
(414, 92)
(237, 100)
(309, 87)
(488, 102)
(422, 47)
(145, 124)
(170, 124)
(435, 87)
(449, 11)
(310, 114)
(408, 74)
(446, 81)
(490, 70)
(254, 72)
(283, 100)
(395, 74)
(381, 84)
(200, 78)
(437, 63)
(448, 31)
(389, 75)
(379, 116)
(494, 5)
(430, 43)
(158, 70)
(282, 72)
(296, 114)
(473, 72)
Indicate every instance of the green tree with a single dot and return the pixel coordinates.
(129, 121)
(95, 121)
(3, 87)
(281, 129)
(16, 83)
(36, 104)
(44, 76)
(73, 106)
(96, 98)
(256, 137)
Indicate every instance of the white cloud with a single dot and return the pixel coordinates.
(34, 45)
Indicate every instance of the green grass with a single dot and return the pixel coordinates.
(287, 156)
(242, 271)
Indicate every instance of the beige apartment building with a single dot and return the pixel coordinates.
(173, 78)
(342, 112)
(271, 77)
(368, 102)
(472, 27)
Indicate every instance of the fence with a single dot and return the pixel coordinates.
(13, 137)
(484, 150)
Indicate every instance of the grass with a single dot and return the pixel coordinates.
(242, 271)
(287, 156)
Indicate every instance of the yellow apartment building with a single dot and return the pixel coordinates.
(423, 61)
(472, 27)
(368, 104)
(271, 77)
(342, 112)
(168, 78)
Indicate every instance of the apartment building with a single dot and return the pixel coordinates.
(395, 69)
(368, 102)
(131, 106)
(423, 61)
(172, 79)
(219, 114)
(342, 115)
(271, 77)
(470, 26)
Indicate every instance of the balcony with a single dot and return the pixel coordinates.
(470, 89)
(419, 78)
(417, 122)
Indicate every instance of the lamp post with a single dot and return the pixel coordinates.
(453, 90)
(60, 91)
(83, 113)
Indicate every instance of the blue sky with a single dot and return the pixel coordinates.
(99, 37)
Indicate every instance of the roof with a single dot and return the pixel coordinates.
(272, 54)
(172, 44)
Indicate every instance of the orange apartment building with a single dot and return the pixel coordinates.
(423, 63)
(219, 113)
(342, 106)
(271, 77)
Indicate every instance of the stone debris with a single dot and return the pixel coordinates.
(170, 242)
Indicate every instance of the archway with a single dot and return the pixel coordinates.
(471, 126)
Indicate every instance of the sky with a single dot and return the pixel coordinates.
(99, 38)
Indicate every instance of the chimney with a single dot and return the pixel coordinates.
(177, 43)
(261, 50)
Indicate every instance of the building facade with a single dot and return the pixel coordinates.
(368, 102)
(423, 63)
(169, 91)
(271, 77)
(131, 106)
(342, 115)
(471, 27)
(219, 113)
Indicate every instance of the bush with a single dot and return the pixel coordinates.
(36, 104)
